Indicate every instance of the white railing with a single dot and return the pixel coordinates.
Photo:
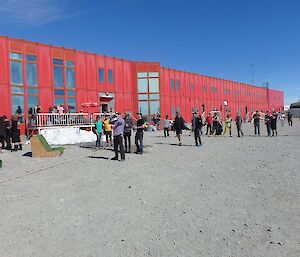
(54, 120)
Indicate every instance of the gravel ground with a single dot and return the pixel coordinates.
(231, 197)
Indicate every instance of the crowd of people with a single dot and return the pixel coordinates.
(10, 133)
(118, 129)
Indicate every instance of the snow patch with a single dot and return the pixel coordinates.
(68, 136)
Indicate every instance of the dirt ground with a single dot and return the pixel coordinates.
(232, 197)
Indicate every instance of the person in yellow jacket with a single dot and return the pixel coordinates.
(228, 123)
(107, 129)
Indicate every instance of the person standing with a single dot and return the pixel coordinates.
(178, 126)
(2, 132)
(15, 134)
(290, 119)
(98, 130)
(256, 121)
(282, 118)
(238, 122)
(8, 133)
(268, 122)
(107, 130)
(228, 123)
(209, 122)
(167, 124)
(139, 135)
(127, 132)
(196, 128)
(274, 123)
(118, 125)
(19, 112)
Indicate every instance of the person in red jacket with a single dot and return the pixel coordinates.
(209, 122)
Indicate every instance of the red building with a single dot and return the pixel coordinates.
(32, 73)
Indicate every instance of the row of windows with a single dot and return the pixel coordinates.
(101, 75)
(147, 74)
(213, 89)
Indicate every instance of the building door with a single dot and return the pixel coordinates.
(104, 108)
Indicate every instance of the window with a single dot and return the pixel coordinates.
(238, 93)
(204, 88)
(213, 89)
(153, 74)
(70, 76)
(153, 85)
(154, 107)
(143, 107)
(154, 96)
(59, 92)
(172, 85)
(32, 101)
(31, 74)
(226, 91)
(17, 90)
(101, 75)
(177, 85)
(59, 101)
(58, 77)
(32, 91)
(148, 93)
(142, 74)
(110, 76)
(192, 87)
(142, 96)
(30, 58)
(16, 73)
(15, 56)
(58, 62)
(17, 101)
(69, 63)
(142, 85)
(71, 101)
(71, 93)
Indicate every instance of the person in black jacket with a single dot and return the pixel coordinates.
(2, 132)
(178, 126)
(15, 134)
(196, 128)
(7, 138)
(268, 123)
(238, 122)
(139, 135)
(274, 123)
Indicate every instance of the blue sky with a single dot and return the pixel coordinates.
(220, 38)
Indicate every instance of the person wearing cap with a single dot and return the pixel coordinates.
(127, 132)
(139, 135)
(178, 126)
(196, 128)
(107, 130)
(118, 125)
